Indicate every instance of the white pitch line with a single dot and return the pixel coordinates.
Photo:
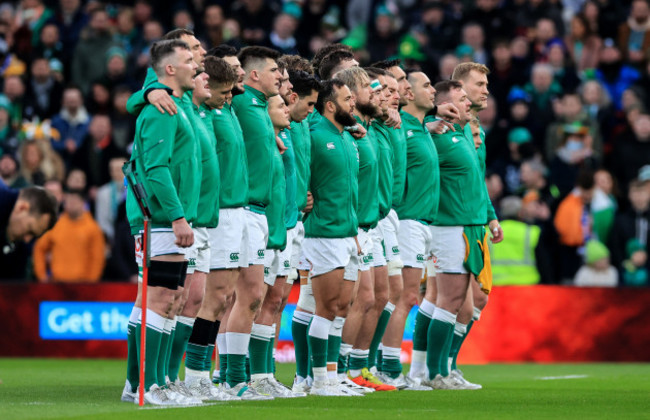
(552, 378)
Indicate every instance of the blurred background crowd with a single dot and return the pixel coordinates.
(568, 122)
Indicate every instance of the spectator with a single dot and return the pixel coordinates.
(384, 35)
(635, 272)
(634, 33)
(50, 46)
(126, 35)
(597, 271)
(73, 251)
(99, 98)
(109, 197)
(14, 91)
(574, 226)
(152, 31)
(76, 180)
(573, 153)
(632, 150)
(89, 62)
(633, 223)
(519, 112)
(513, 260)
(603, 205)
(96, 152)
(495, 131)
(30, 18)
(55, 187)
(543, 89)
(439, 29)
(447, 64)
(564, 70)
(44, 92)
(117, 72)
(613, 73)
(545, 33)
(256, 17)
(535, 187)
(123, 123)
(504, 75)
(10, 172)
(213, 26)
(71, 123)
(474, 36)
(8, 139)
(70, 20)
(493, 18)
(582, 43)
(569, 110)
(39, 163)
(183, 19)
(282, 36)
(520, 148)
(598, 106)
(121, 265)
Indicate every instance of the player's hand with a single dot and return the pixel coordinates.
(359, 132)
(281, 147)
(496, 231)
(439, 127)
(183, 233)
(448, 111)
(162, 101)
(310, 203)
(394, 119)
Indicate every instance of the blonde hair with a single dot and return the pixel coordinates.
(353, 77)
(462, 70)
(51, 165)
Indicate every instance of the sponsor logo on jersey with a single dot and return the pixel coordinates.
(254, 101)
(409, 133)
(217, 111)
(330, 146)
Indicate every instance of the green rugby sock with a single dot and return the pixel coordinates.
(178, 345)
(299, 329)
(441, 330)
(454, 352)
(382, 323)
(132, 371)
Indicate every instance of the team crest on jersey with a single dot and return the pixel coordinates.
(217, 111)
(254, 101)
(409, 133)
(202, 114)
(330, 146)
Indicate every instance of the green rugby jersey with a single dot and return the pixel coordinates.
(301, 141)
(167, 160)
(384, 150)
(462, 185)
(251, 108)
(422, 181)
(289, 160)
(277, 205)
(231, 152)
(368, 207)
(208, 208)
(482, 155)
(398, 144)
(333, 183)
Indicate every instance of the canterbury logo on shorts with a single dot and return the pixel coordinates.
(234, 256)
(260, 253)
(395, 250)
(191, 262)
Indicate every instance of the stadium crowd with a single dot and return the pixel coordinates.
(369, 173)
(568, 90)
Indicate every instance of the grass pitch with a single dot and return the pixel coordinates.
(91, 389)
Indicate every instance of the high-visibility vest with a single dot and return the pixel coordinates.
(513, 259)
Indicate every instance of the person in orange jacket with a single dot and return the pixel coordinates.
(74, 250)
(573, 222)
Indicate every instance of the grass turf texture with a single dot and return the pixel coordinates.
(91, 389)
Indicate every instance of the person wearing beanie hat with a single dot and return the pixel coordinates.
(597, 270)
(635, 272)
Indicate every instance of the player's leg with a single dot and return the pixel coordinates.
(418, 370)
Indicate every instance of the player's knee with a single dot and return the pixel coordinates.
(381, 299)
(255, 305)
(480, 300)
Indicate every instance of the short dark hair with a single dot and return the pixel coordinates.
(41, 202)
(295, 63)
(219, 71)
(76, 191)
(386, 64)
(177, 34)
(586, 179)
(331, 61)
(375, 72)
(248, 55)
(444, 87)
(223, 50)
(327, 93)
(163, 49)
(325, 51)
(303, 83)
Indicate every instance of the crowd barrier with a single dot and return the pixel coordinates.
(520, 324)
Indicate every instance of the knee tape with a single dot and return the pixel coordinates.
(164, 274)
(306, 298)
(293, 276)
(395, 267)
